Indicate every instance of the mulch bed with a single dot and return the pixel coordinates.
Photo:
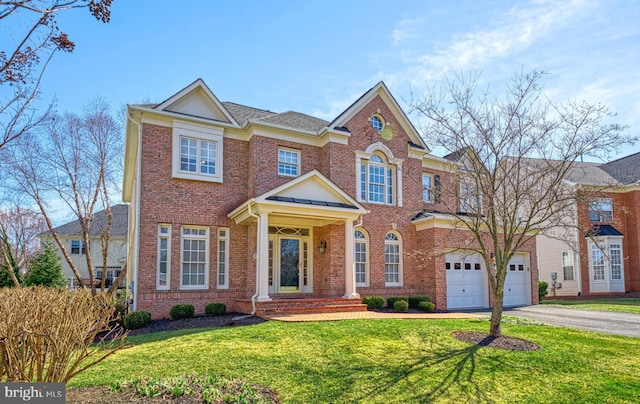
(481, 339)
(226, 320)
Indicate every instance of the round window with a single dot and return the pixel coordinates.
(377, 124)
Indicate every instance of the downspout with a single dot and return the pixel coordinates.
(578, 262)
(136, 249)
(255, 295)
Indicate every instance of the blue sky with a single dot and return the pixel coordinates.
(317, 57)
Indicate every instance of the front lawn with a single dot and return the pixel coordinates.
(389, 361)
(622, 304)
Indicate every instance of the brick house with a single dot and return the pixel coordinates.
(602, 255)
(235, 204)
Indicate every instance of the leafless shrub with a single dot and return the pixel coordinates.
(48, 334)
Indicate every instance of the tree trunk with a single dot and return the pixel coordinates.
(495, 329)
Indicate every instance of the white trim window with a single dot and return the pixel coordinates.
(197, 152)
(75, 247)
(377, 123)
(469, 197)
(163, 274)
(288, 162)
(194, 258)
(598, 262)
(223, 258)
(361, 258)
(377, 180)
(615, 259)
(393, 259)
(427, 188)
(601, 210)
(567, 266)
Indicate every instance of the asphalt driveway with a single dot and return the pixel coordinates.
(625, 324)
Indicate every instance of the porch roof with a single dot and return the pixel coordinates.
(311, 197)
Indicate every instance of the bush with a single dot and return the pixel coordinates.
(137, 319)
(215, 309)
(46, 269)
(392, 300)
(373, 302)
(414, 301)
(182, 311)
(542, 289)
(401, 306)
(48, 333)
(426, 306)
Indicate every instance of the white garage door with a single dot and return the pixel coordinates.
(466, 282)
(517, 284)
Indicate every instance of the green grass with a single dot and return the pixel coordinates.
(622, 305)
(389, 361)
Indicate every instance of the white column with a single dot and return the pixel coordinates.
(349, 264)
(262, 252)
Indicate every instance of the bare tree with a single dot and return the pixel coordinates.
(36, 38)
(511, 156)
(71, 162)
(19, 229)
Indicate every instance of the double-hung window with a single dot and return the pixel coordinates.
(197, 152)
(194, 271)
(361, 258)
(377, 181)
(567, 265)
(392, 259)
(288, 162)
(601, 210)
(427, 188)
(223, 258)
(78, 247)
(163, 275)
(469, 197)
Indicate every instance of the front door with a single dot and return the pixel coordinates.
(289, 264)
(290, 267)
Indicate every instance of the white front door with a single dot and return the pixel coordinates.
(517, 290)
(289, 261)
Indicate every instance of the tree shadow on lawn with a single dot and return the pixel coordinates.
(462, 367)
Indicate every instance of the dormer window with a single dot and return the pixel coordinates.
(377, 123)
(197, 152)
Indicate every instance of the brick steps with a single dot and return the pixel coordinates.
(304, 306)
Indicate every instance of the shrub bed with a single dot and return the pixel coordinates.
(414, 301)
(426, 306)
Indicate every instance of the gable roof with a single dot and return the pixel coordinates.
(119, 224)
(196, 99)
(625, 169)
(296, 120)
(381, 90)
(590, 174)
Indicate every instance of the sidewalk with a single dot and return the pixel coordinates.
(362, 315)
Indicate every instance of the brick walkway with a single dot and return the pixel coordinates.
(360, 315)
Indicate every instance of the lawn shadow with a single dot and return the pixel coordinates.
(461, 364)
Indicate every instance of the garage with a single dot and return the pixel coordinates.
(517, 289)
(466, 282)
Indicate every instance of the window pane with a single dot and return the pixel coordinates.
(207, 157)
(188, 154)
(288, 162)
(194, 257)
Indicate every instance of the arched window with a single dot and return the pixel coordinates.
(393, 259)
(361, 258)
(377, 180)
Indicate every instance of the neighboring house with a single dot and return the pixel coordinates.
(230, 202)
(71, 235)
(602, 253)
